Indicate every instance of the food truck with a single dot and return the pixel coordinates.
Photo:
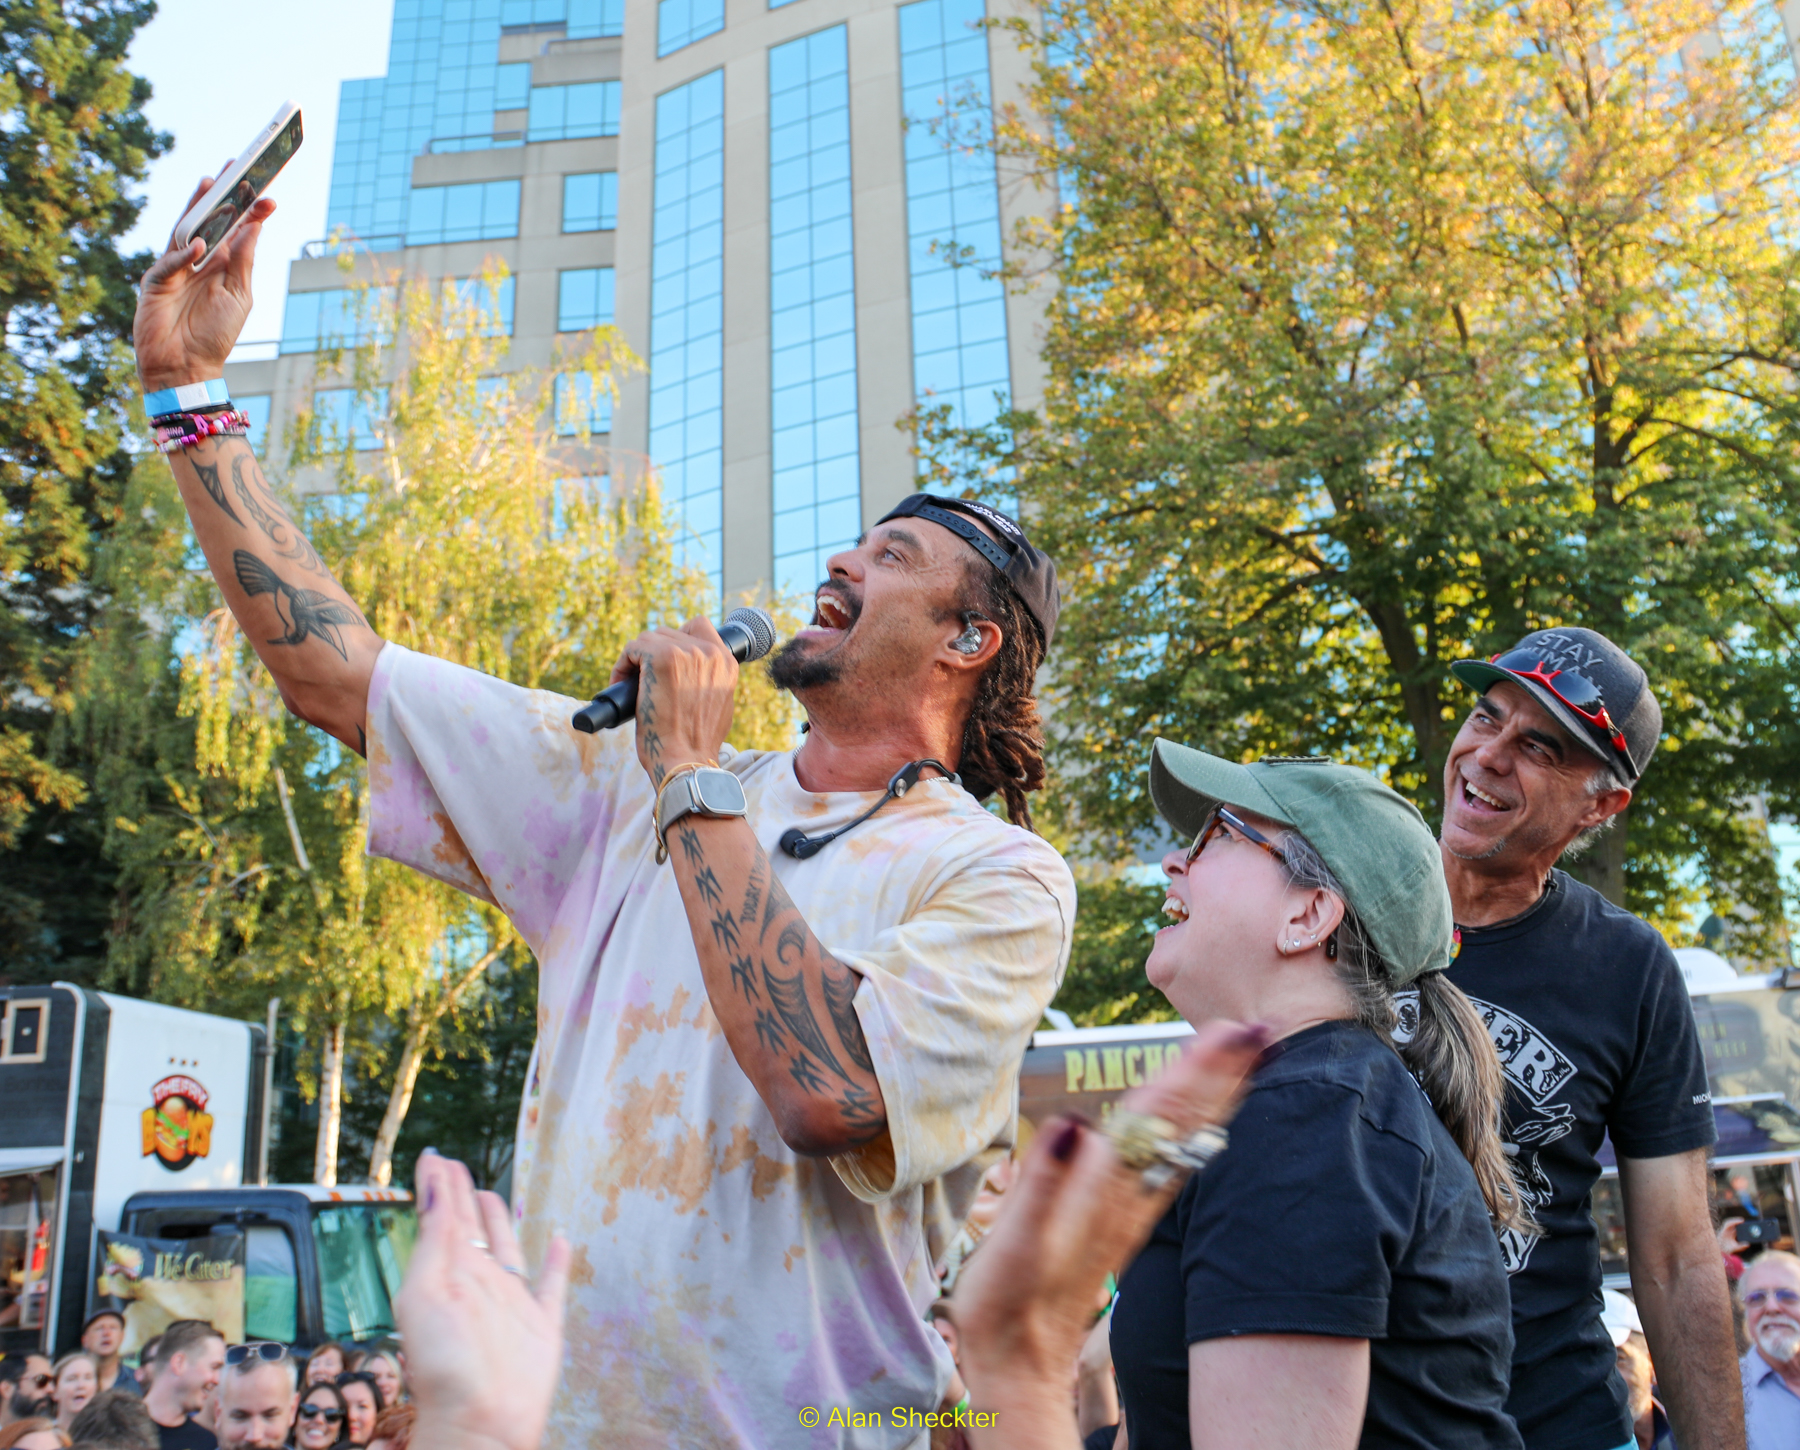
(131, 1157)
(1749, 1032)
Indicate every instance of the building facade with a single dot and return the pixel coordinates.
(762, 196)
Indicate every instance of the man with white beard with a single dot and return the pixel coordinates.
(1771, 1293)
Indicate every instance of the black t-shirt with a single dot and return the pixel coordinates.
(1342, 1207)
(189, 1436)
(1595, 1031)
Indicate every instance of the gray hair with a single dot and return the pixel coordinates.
(1605, 778)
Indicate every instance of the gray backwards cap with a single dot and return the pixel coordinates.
(1375, 841)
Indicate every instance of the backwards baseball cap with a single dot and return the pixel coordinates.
(1598, 693)
(1375, 841)
(1027, 569)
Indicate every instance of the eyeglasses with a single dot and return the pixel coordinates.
(265, 1350)
(1222, 817)
(1787, 1298)
(1573, 688)
(319, 1412)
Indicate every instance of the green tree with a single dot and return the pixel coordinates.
(1384, 334)
(72, 138)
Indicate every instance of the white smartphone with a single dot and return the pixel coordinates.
(229, 199)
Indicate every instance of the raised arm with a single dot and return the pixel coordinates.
(298, 618)
(784, 1002)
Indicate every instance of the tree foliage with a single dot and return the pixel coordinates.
(72, 138)
(1384, 334)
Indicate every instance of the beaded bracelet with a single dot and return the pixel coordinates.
(183, 430)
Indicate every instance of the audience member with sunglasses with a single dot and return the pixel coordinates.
(25, 1381)
(1770, 1290)
(1591, 1018)
(259, 1391)
(323, 1417)
(1312, 895)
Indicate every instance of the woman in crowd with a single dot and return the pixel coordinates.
(1311, 897)
(76, 1381)
(383, 1362)
(322, 1419)
(325, 1364)
(362, 1398)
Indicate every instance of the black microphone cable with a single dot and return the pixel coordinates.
(800, 846)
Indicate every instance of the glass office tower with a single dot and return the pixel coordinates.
(756, 192)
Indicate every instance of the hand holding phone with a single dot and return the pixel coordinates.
(230, 198)
(188, 320)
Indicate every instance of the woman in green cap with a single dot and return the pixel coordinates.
(1332, 1279)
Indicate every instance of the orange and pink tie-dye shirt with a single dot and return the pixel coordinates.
(722, 1283)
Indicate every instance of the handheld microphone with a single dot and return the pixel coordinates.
(748, 633)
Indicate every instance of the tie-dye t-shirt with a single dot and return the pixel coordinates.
(721, 1283)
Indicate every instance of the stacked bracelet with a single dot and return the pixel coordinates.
(188, 398)
(176, 431)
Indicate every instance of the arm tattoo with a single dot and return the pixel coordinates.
(793, 936)
(362, 742)
(209, 480)
(724, 930)
(743, 977)
(805, 1073)
(707, 884)
(840, 1001)
(304, 613)
(858, 1108)
(275, 524)
(691, 849)
(789, 996)
(753, 888)
(770, 1032)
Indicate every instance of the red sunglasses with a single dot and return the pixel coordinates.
(1575, 690)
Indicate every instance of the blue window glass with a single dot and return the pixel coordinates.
(682, 22)
(475, 211)
(579, 404)
(812, 323)
(495, 303)
(584, 298)
(687, 319)
(334, 317)
(345, 418)
(953, 200)
(256, 409)
(568, 113)
(523, 14)
(588, 18)
(591, 201)
(512, 85)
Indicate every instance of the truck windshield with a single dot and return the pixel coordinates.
(363, 1252)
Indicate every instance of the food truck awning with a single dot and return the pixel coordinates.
(1766, 1126)
(28, 1160)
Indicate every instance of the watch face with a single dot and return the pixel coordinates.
(719, 792)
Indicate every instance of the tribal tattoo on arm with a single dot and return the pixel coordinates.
(304, 613)
(248, 483)
(782, 977)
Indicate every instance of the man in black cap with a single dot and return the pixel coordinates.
(1591, 1018)
(103, 1336)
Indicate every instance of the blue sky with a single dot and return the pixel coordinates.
(219, 71)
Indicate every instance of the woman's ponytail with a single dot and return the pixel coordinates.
(1452, 1056)
(1447, 1048)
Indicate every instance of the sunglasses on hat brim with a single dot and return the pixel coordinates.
(1573, 689)
(265, 1351)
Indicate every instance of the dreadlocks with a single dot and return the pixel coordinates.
(1003, 738)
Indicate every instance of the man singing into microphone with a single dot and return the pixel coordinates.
(765, 1079)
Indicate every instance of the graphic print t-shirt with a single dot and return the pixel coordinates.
(721, 1283)
(1591, 1017)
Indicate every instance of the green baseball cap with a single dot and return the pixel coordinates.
(1375, 841)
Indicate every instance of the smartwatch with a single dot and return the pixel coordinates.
(708, 791)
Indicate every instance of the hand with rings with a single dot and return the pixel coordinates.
(483, 1349)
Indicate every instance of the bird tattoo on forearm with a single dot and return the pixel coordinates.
(304, 612)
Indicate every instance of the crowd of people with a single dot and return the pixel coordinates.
(190, 1390)
(784, 995)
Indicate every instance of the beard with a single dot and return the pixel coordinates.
(1779, 1340)
(793, 669)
